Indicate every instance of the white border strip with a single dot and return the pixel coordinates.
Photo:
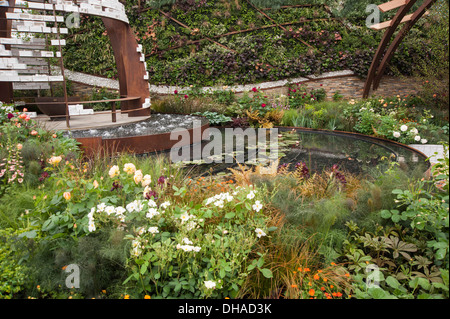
(98, 81)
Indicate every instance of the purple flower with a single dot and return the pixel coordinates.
(115, 186)
(338, 174)
(150, 194)
(302, 169)
(10, 116)
(44, 175)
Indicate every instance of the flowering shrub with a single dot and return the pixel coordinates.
(332, 282)
(11, 167)
(179, 246)
(299, 95)
(392, 118)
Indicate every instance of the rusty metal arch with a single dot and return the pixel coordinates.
(419, 13)
(131, 69)
(383, 56)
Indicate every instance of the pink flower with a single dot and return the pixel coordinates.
(175, 92)
(263, 105)
(186, 96)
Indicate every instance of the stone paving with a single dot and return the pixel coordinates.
(430, 150)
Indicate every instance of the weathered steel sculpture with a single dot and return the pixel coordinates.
(16, 67)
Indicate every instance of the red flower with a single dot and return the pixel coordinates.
(263, 105)
(175, 92)
(255, 90)
(186, 96)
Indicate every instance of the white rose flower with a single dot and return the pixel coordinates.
(165, 205)
(210, 284)
(153, 230)
(417, 138)
(197, 249)
(151, 203)
(110, 210)
(396, 134)
(131, 207)
(414, 131)
(146, 180)
(404, 128)
(424, 141)
(152, 212)
(101, 207)
(257, 206)
(91, 227)
(120, 210)
(259, 232)
(185, 217)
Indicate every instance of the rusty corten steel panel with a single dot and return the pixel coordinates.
(137, 144)
(131, 70)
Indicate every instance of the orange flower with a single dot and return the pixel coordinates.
(294, 286)
(126, 297)
(347, 275)
(316, 277)
(331, 286)
(322, 288)
(325, 279)
(147, 297)
(67, 195)
(312, 292)
(306, 269)
(338, 294)
(333, 264)
(299, 269)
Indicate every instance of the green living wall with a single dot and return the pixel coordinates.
(202, 43)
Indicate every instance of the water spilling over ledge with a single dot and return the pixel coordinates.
(156, 124)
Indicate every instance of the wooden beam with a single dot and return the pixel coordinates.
(392, 5)
(387, 24)
(401, 13)
(420, 12)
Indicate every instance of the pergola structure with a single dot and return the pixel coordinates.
(384, 52)
(24, 64)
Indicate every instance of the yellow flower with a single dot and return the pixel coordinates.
(54, 160)
(129, 168)
(147, 297)
(138, 176)
(67, 195)
(126, 297)
(114, 171)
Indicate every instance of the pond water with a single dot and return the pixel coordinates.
(320, 150)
